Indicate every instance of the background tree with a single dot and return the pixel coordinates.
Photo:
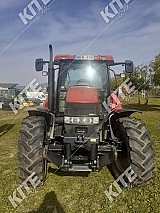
(156, 69)
(144, 78)
(140, 79)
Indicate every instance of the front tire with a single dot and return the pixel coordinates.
(137, 151)
(30, 149)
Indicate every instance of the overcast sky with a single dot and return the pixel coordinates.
(71, 26)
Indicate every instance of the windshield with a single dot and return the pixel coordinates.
(84, 74)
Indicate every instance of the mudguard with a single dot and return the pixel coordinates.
(44, 113)
(114, 115)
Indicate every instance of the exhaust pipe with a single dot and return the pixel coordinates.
(51, 82)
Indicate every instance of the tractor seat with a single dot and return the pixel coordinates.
(82, 82)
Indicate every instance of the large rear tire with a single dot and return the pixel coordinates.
(138, 152)
(30, 148)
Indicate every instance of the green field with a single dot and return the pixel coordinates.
(77, 192)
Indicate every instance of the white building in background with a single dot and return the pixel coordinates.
(8, 90)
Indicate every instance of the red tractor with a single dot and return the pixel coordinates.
(76, 131)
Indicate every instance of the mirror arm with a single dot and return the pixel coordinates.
(118, 63)
(45, 62)
(115, 78)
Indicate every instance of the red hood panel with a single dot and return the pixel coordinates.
(82, 94)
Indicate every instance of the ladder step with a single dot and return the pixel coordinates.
(80, 168)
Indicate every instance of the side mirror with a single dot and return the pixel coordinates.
(128, 66)
(39, 64)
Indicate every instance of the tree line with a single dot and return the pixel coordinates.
(145, 78)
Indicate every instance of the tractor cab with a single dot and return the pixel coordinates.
(81, 80)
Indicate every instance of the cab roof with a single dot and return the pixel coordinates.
(84, 57)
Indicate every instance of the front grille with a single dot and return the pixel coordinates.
(75, 109)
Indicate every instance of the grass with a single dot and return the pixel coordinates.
(77, 192)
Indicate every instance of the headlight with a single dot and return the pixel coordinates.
(95, 120)
(81, 120)
(75, 120)
(90, 120)
(72, 120)
(87, 120)
(67, 120)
